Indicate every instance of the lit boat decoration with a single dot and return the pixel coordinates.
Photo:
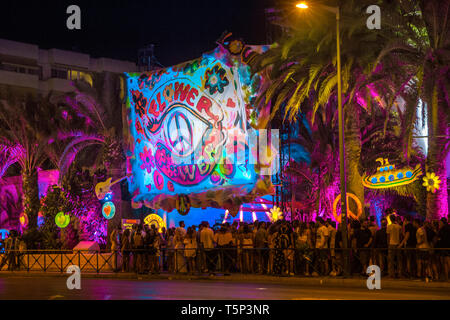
(387, 176)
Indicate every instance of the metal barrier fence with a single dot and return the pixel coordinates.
(220, 260)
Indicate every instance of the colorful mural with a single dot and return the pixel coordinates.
(189, 125)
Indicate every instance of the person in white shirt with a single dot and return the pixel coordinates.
(393, 231)
(332, 232)
(423, 254)
(322, 244)
(180, 234)
(207, 241)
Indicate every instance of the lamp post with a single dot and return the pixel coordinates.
(343, 187)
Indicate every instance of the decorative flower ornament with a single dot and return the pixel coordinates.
(62, 220)
(147, 159)
(215, 79)
(236, 46)
(276, 214)
(431, 181)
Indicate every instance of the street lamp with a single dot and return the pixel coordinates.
(343, 188)
(302, 5)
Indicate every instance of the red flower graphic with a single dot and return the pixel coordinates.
(147, 159)
(139, 128)
(140, 102)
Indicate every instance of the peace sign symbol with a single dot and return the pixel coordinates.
(180, 134)
(350, 214)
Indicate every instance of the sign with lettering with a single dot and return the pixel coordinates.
(128, 223)
(189, 128)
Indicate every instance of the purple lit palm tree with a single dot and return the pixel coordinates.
(99, 107)
(303, 76)
(27, 128)
(423, 47)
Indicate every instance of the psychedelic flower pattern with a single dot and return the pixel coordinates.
(139, 128)
(431, 181)
(149, 80)
(236, 46)
(215, 79)
(140, 102)
(147, 159)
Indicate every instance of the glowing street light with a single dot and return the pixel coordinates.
(343, 188)
(302, 5)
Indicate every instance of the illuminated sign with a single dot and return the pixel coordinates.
(128, 223)
(108, 210)
(157, 221)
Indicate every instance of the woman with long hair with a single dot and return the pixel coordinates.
(125, 248)
(190, 249)
(279, 260)
(247, 249)
(180, 263)
(170, 251)
(302, 242)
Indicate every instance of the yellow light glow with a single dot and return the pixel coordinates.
(302, 5)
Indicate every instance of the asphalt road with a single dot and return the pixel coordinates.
(54, 288)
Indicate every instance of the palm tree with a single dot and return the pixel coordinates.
(9, 154)
(27, 128)
(99, 105)
(303, 76)
(422, 44)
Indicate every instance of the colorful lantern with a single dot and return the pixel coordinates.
(431, 181)
(108, 210)
(387, 176)
(23, 219)
(183, 204)
(62, 220)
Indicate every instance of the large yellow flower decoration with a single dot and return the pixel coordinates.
(276, 214)
(431, 181)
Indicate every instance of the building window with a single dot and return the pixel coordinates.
(59, 73)
(80, 75)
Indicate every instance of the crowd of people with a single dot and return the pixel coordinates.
(401, 247)
(13, 248)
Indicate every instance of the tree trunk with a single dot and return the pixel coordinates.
(30, 194)
(438, 131)
(352, 138)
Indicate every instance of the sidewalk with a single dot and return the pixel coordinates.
(355, 282)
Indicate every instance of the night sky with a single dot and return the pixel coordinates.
(180, 30)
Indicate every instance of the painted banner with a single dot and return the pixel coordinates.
(189, 125)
